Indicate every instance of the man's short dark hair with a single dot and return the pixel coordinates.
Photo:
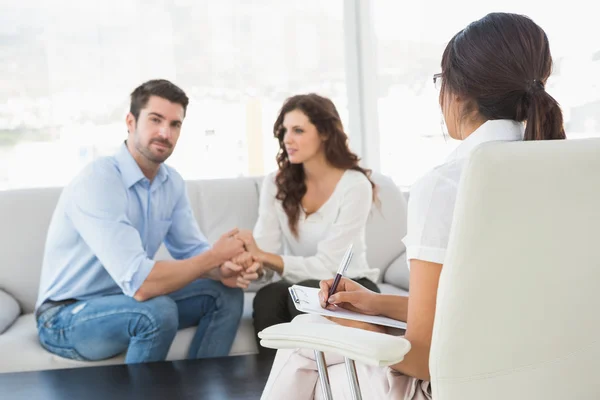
(160, 88)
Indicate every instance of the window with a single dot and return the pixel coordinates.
(66, 72)
(411, 38)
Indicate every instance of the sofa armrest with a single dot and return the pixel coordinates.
(367, 347)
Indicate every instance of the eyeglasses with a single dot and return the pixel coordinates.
(437, 81)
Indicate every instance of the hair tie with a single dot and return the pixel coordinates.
(534, 86)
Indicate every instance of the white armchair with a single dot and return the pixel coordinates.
(518, 307)
(353, 344)
(518, 303)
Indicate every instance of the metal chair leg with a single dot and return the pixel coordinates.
(353, 378)
(323, 375)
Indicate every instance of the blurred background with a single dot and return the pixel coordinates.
(67, 68)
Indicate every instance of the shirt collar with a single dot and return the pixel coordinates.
(131, 172)
(492, 130)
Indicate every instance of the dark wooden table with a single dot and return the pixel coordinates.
(241, 377)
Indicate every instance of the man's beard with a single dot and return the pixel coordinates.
(155, 158)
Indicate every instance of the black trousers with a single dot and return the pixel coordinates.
(273, 305)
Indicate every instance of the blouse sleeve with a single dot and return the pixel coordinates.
(430, 211)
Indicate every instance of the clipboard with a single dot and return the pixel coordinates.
(306, 299)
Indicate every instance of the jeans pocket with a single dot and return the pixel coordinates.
(52, 337)
(63, 352)
(46, 319)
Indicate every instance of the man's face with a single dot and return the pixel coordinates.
(157, 129)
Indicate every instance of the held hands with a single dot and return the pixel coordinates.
(228, 246)
(243, 268)
(240, 271)
(249, 243)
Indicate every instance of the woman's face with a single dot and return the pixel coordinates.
(301, 138)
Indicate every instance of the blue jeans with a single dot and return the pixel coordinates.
(104, 327)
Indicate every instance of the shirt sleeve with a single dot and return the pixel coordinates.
(97, 208)
(267, 230)
(349, 227)
(429, 219)
(184, 238)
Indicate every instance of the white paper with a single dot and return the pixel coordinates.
(309, 303)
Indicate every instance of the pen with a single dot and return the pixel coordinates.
(341, 270)
(294, 296)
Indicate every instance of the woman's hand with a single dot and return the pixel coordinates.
(349, 295)
(268, 260)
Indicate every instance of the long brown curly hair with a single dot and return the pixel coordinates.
(290, 179)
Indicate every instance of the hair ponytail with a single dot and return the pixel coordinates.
(544, 119)
(501, 62)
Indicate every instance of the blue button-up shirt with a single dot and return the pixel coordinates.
(107, 226)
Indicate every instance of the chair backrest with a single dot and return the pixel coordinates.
(518, 303)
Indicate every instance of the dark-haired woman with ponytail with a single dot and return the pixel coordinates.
(492, 88)
(310, 210)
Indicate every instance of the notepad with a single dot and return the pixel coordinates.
(306, 299)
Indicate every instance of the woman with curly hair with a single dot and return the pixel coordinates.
(311, 209)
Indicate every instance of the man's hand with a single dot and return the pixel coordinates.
(228, 247)
(249, 242)
(245, 260)
(240, 271)
(253, 273)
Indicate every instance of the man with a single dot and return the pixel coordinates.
(100, 292)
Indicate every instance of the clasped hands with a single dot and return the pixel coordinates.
(244, 265)
(240, 258)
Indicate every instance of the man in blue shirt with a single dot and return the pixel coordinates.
(101, 293)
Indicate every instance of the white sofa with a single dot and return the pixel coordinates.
(219, 205)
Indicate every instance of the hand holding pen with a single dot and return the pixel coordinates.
(345, 293)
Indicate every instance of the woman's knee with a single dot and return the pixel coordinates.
(271, 296)
(310, 283)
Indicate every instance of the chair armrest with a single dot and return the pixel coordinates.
(371, 348)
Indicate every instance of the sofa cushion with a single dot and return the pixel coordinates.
(386, 288)
(9, 310)
(25, 216)
(224, 204)
(386, 225)
(220, 205)
(397, 273)
(21, 350)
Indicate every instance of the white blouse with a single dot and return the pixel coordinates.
(432, 198)
(324, 236)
